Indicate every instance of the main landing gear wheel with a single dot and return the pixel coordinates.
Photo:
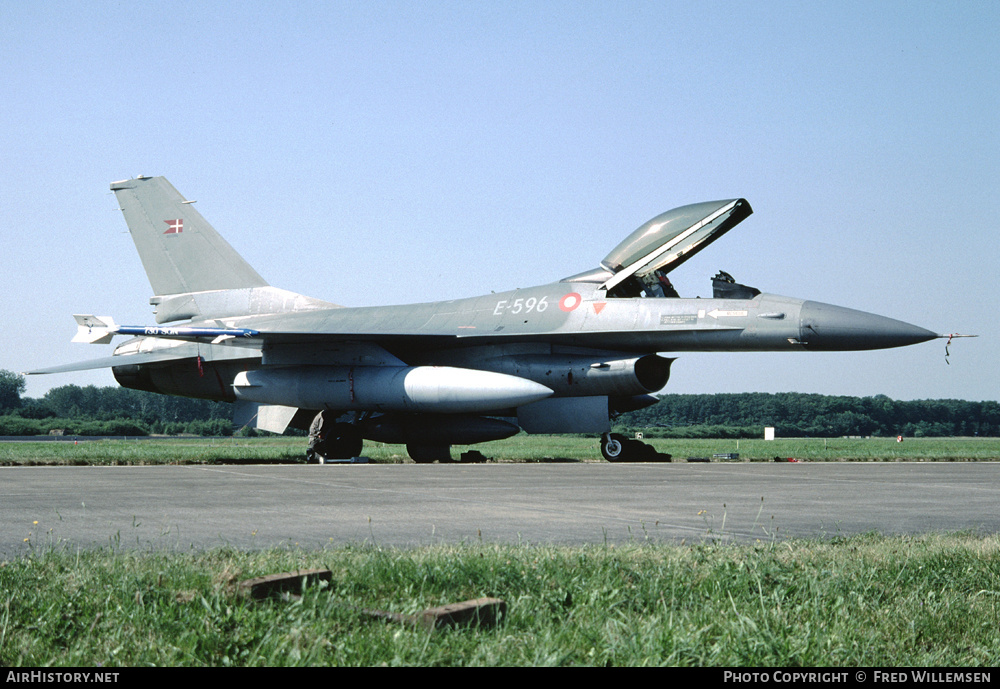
(344, 441)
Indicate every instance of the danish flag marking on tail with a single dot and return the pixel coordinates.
(174, 226)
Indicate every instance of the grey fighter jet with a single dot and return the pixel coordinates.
(565, 357)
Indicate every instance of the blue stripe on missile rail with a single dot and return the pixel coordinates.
(156, 331)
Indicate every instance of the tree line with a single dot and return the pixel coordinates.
(92, 410)
(809, 415)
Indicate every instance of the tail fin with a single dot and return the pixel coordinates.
(192, 269)
(180, 251)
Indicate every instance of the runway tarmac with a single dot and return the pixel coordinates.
(257, 506)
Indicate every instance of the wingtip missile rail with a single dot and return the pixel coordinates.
(101, 329)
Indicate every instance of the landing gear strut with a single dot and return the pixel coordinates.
(617, 448)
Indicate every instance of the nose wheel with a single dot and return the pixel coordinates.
(615, 447)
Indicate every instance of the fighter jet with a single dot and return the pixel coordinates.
(564, 357)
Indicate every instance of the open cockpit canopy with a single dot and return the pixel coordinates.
(668, 240)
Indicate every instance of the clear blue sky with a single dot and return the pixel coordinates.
(394, 152)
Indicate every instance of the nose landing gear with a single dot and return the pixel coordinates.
(617, 448)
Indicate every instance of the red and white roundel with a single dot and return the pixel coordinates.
(570, 301)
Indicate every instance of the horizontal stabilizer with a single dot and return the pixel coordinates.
(109, 362)
(186, 351)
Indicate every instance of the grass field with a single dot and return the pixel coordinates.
(868, 600)
(860, 601)
(522, 447)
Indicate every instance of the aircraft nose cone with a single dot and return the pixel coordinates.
(828, 327)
